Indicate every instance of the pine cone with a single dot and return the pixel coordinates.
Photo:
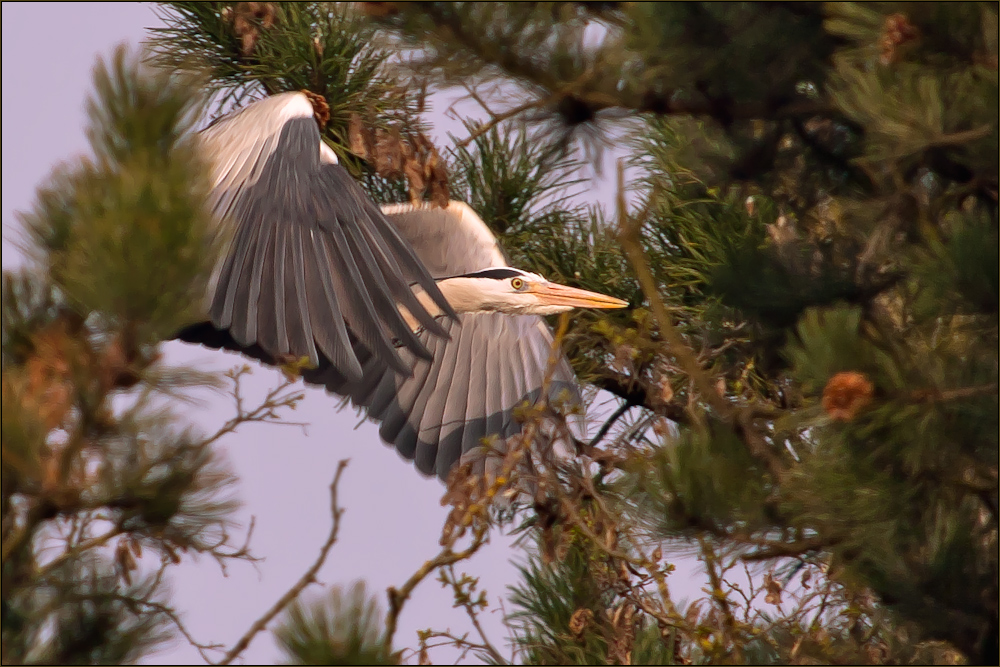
(846, 394)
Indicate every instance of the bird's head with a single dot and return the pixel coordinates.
(516, 292)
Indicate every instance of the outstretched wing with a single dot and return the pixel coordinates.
(312, 268)
(488, 366)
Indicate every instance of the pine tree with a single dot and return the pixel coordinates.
(807, 231)
(815, 235)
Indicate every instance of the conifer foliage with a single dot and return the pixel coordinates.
(804, 389)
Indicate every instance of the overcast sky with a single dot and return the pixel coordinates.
(393, 517)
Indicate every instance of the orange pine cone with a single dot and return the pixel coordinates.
(846, 394)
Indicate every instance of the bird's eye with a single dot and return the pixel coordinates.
(517, 283)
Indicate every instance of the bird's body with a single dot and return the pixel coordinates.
(411, 311)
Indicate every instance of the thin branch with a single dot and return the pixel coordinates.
(399, 596)
(935, 396)
(264, 412)
(74, 552)
(308, 578)
(175, 619)
(606, 426)
(771, 550)
(740, 419)
(628, 235)
(497, 118)
(466, 603)
(715, 579)
(636, 394)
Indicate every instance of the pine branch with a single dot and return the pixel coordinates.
(769, 550)
(599, 95)
(633, 393)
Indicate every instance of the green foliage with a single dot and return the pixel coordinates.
(818, 195)
(128, 235)
(101, 623)
(341, 628)
(564, 614)
(97, 468)
(247, 52)
(509, 177)
(691, 47)
(693, 490)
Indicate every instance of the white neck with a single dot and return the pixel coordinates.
(466, 295)
(473, 295)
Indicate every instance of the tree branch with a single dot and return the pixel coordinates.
(606, 426)
(637, 395)
(398, 597)
(309, 577)
(598, 97)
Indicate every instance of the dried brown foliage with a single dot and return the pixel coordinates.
(248, 19)
(896, 31)
(406, 153)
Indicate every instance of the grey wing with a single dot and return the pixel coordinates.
(452, 241)
(491, 363)
(313, 268)
(468, 395)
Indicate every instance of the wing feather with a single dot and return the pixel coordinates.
(315, 269)
(302, 337)
(452, 241)
(276, 191)
(455, 415)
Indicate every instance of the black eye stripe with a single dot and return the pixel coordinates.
(500, 273)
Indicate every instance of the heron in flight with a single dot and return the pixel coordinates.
(410, 311)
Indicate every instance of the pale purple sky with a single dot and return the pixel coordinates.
(394, 515)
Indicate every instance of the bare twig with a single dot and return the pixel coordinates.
(606, 426)
(399, 596)
(466, 602)
(308, 578)
(497, 118)
(75, 551)
(266, 411)
(718, 594)
(176, 620)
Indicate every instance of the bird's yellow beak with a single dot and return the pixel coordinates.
(553, 294)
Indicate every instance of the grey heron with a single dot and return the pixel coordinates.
(410, 311)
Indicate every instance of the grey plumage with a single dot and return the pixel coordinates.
(314, 269)
(490, 363)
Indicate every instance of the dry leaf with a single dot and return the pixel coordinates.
(773, 588)
(378, 9)
(579, 622)
(359, 137)
(896, 31)
(248, 18)
(666, 391)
